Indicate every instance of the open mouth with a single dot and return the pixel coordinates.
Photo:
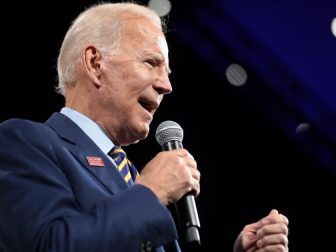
(149, 105)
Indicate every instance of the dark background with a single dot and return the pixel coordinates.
(249, 150)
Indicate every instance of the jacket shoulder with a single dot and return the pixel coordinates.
(17, 124)
(20, 129)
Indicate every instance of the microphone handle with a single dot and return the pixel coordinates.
(185, 208)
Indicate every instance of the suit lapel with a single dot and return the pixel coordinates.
(87, 153)
(107, 174)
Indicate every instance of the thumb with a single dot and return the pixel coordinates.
(266, 219)
(273, 211)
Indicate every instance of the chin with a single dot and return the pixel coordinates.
(140, 131)
(144, 132)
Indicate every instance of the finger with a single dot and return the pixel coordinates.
(195, 190)
(277, 247)
(196, 175)
(270, 219)
(195, 182)
(273, 240)
(192, 167)
(278, 218)
(273, 211)
(184, 153)
(272, 229)
(253, 227)
(191, 156)
(274, 217)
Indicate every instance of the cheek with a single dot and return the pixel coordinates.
(136, 81)
(127, 80)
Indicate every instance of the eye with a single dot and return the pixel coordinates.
(156, 62)
(151, 63)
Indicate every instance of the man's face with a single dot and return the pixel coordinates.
(134, 81)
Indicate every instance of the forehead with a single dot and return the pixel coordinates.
(129, 20)
(142, 30)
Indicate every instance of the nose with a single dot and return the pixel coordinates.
(162, 85)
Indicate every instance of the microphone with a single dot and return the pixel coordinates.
(169, 135)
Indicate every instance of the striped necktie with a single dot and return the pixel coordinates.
(125, 167)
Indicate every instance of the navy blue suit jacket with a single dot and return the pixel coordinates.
(52, 199)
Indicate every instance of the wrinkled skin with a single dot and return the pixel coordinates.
(270, 234)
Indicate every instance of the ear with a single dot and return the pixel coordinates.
(92, 60)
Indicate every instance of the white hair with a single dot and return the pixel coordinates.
(101, 25)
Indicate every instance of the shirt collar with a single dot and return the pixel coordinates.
(92, 129)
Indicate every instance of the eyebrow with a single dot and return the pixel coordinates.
(159, 57)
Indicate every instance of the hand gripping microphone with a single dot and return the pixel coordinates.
(169, 135)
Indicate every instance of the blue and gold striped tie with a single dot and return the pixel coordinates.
(125, 167)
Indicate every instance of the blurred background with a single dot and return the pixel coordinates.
(254, 90)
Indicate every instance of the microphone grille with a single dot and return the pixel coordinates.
(168, 131)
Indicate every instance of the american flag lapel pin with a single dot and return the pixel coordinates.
(95, 161)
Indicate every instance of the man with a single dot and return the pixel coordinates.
(59, 188)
